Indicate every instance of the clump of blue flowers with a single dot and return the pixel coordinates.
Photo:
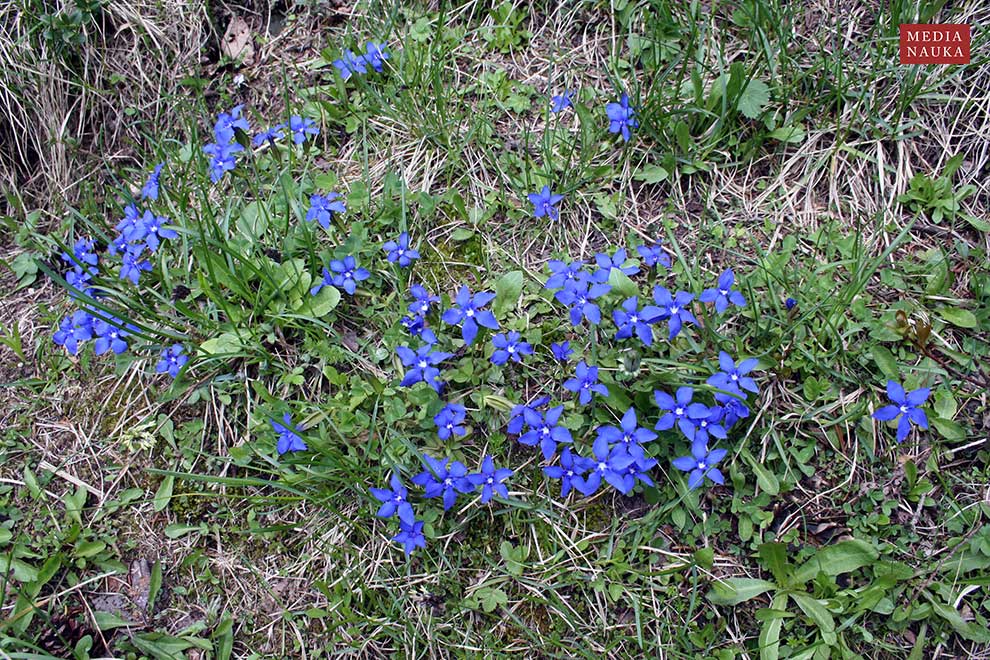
(374, 56)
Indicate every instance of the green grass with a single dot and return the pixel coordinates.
(768, 143)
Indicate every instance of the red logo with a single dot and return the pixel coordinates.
(935, 44)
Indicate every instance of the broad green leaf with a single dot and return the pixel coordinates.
(90, 548)
(843, 557)
(970, 631)
(770, 632)
(774, 556)
(108, 621)
(961, 318)
(735, 590)
(764, 478)
(164, 493)
(754, 98)
(621, 284)
(175, 530)
(324, 302)
(651, 174)
(462, 234)
(819, 614)
(225, 344)
(507, 291)
(790, 134)
(948, 429)
(252, 223)
(885, 361)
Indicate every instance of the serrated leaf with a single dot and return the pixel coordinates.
(754, 98)
(961, 318)
(508, 288)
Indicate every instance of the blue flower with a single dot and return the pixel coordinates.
(374, 55)
(563, 274)
(630, 319)
(83, 254)
(638, 470)
(222, 158)
(416, 325)
(609, 464)
(322, 208)
(73, 330)
(562, 101)
(410, 536)
(674, 309)
(545, 431)
(172, 360)
(288, 435)
(450, 421)
(579, 297)
(571, 468)
(394, 500)
(399, 251)
(701, 464)
(223, 130)
(150, 188)
(109, 336)
(468, 310)
(79, 281)
(621, 117)
(302, 127)
(127, 224)
(443, 478)
(710, 424)
(133, 263)
(424, 363)
(630, 437)
(654, 255)
(544, 203)
(723, 293)
(509, 347)
(517, 417)
(423, 300)
(490, 479)
(272, 134)
(562, 351)
(680, 410)
(790, 303)
(733, 377)
(151, 231)
(345, 275)
(606, 264)
(585, 382)
(733, 408)
(904, 406)
(350, 64)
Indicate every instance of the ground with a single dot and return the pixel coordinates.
(141, 518)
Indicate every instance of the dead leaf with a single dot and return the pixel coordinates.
(237, 42)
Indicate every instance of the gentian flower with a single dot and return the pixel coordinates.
(701, 464)
(394, 500)
(346, 274)
(675, 309)
(450, 421)
(563, 274)
(399, 251)
(562, 101)
(733, 377)
(133, 263)
(723, 293)
(223, 130)
(544, 203)
(606, 264)
(509, 347)
(127, 224)
(423, 362)
(630, 437)
(109, 336)
(490, 480)
(680, 410)
(350, 64)
(710, 424)
(172, 360)
(790, 303)
(79, 281)
(300, 127)
(654, 255)
(571, 467)
(410, 536)
(150, 188)
(545, 431)
(83, 254)
(562, 351)
(639, 470)
(416, 325)
(222, 158)
(608, 464)
(423, 300)
(322, 208)
(288, 435)
(579, 297)
(517, 416)
(468, 310)
(375, 55)
(585, 382)
(621, 117)
(631, 319)
(73, 330)
(904, 406)
(151, 231)
(276, 132)
(733, 408)
(443, 478)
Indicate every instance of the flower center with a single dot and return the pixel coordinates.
(678, 411)
(634, 319)
(701, 465)
(734, 377)
(511, 349)
(423, 364)
(448, 481)
(675, 309)
(489, 481)
(601, 467)
(723, 292)
(904, 409)
(469, 313)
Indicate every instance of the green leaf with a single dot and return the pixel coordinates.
(651, 174)
(108, 621)
(945, 404)
(885, 361)
(843, 557)
(789, 134)
(948, 429)
(507, 291)
(90, 548)
(462, 234)
(774, 556)
(621, 284)
(226, 344)
(735, 590)
(769, 640)
(970, 631)
(324, 302)
(252, 224)
(961, 318)
(767, 480)
(175, 530)
(754, 98)
(154, 586)
(818, 614)
(164, 493)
